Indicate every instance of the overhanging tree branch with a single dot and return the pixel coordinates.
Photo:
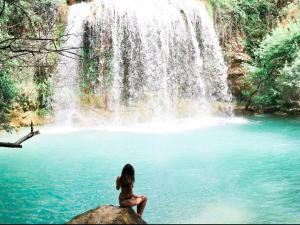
(38, 42)
(34, 46)
(23, 139)
(27, 15)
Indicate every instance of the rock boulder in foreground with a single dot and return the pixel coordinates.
(108, 215)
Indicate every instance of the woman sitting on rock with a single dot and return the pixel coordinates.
(127, 198)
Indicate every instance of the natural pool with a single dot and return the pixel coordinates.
(231, 173)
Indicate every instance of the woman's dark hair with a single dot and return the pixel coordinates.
(127, 177)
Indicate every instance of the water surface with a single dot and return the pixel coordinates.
(234, 173)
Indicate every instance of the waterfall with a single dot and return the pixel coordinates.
(154, 60)
(67, 88)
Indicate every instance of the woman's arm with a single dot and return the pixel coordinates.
(118, 184)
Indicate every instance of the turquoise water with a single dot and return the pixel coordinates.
(234, 173)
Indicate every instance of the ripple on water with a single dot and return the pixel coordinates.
(239, 172)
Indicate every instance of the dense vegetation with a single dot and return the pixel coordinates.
(275, 75)
(29, 38)
(271, 32)
(255, 18)
(7, 95)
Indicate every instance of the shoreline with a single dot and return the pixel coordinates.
(20, 123)
(271, 111)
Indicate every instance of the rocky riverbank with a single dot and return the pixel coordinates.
(240, 110)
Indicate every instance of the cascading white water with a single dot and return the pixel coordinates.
(165, 59)
(67, 88)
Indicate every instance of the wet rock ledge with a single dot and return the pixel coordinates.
(108, 215)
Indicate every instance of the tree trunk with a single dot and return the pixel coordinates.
(19, 142)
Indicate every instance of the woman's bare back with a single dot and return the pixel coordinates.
(126, 192)
(127, 198)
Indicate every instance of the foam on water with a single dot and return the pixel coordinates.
(158, 127)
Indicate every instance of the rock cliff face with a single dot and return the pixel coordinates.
(236, 72)
(108, 215)
(232, 41)
(71, 2)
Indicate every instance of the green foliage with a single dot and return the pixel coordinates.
(258, 19)
(43, 88)
(108, 57)
(8, 92)
(255, 18)
(89, 66)
(89, 78)
(291, 74)
(89, 73)
(280, 47)
(24, 15)
(289, 81)
(20, 22)
(25, 102)
(216, 3)
(275, 80)
(273, 75)
(42, 112)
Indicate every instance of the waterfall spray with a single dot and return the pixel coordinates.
(156, 60)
